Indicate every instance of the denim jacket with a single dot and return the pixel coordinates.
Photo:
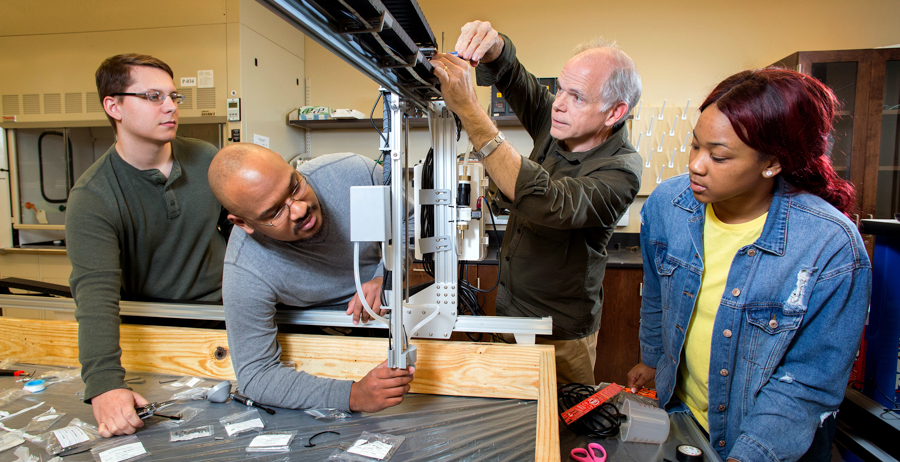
(788, 326)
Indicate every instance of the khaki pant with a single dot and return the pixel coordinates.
(574, 358)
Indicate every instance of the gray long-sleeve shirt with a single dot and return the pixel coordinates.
(553, 256)
(261, 273)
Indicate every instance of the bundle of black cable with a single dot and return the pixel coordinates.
(601, 422)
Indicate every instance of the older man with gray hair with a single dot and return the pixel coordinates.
(567, 196)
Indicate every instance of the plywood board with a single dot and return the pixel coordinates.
(444, 368)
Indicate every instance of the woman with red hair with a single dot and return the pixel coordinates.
(756, 283)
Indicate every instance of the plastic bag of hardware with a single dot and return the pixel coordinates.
(75, 434)
(187, 414)
(43, 421)
(24, 455)
(272, 442)
(120, 449)
(7, 363)
(242, 422)
(60, 375)
(194, 394)
(191, 434)
(8, 396)
(369, 447)
(327, 414)
(11, 440)
(184, 382)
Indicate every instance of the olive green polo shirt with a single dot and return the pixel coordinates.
(553, 255)
(136, 235)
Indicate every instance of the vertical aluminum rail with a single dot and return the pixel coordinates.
(444, 139)
(401, 353)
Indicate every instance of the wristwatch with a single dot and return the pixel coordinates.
(490, 147)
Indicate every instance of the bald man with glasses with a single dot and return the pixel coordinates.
(291, 246)
(141, 223)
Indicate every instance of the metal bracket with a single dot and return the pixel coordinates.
(434, 196)
(434, 244)
(346, 27)
(411, 61)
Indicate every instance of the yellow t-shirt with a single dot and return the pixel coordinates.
(721, 242)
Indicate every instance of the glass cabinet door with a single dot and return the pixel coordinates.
(848, 74)
(887, 198)
(841, 78)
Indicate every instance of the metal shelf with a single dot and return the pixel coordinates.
(363, 124)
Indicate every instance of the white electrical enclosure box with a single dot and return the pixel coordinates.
(370, 219)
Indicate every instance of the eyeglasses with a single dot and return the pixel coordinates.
(285, 211)
(155, 97)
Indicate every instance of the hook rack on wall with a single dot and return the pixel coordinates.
(670, 139)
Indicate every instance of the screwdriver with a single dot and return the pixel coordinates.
(13, 372)
(249, 402)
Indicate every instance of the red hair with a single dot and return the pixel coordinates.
(787, 115)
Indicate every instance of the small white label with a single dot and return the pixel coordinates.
(124, 452)
(205, 79)
(265, 441)
(193, 382)
(243, 426)
(374, 449)
(189, 81)
(47, 417)
(261, 140)
(70, 436)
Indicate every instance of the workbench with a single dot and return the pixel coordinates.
(436, 427)
(469, 401)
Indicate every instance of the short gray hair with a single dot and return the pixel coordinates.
(624, 83)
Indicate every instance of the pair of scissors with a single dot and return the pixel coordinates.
(589, 454)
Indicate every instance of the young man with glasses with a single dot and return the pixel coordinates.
(141, 223)
(291, 246)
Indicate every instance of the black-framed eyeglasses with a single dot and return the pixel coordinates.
(285, 211)
(155, 97)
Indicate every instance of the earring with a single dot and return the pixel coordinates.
(768, 173)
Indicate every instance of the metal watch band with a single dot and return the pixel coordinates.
(491, 146)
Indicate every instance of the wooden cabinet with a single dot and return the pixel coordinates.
(618, 346)
(866, 147)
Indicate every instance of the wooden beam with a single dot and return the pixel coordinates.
(442, 367)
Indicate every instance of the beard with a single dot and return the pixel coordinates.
(319, 235)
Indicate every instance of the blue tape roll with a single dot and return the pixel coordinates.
(36, 386)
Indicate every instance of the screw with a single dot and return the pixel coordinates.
(431, 334)
(423, 311)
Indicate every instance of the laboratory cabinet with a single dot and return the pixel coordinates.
(866, 139)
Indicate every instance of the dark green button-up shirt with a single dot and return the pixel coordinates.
(567, 204)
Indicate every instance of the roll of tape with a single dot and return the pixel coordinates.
(36, 386)
(688, 453)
